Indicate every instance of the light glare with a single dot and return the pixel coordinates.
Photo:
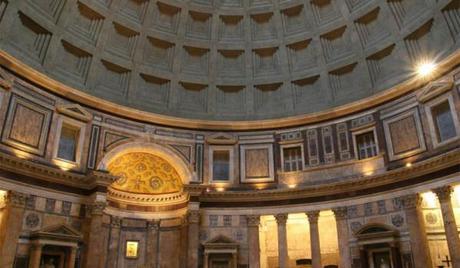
(426, 68)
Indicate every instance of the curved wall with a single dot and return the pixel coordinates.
(229, 60)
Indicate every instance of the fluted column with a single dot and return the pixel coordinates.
(193, 238)
(152, 243)
(10, 227)
(114, 242)
(342, 235)
(95, 249)
(71, 257)
(283, 258)
(314, 239)
(417, 234)
(253, 222)
(450, 226)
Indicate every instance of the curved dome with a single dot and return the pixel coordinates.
(231, 59)
(144, 173)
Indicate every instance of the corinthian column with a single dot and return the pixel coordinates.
(253, 240)
(314, 239)
(152, 243)
(193, 237)
(10, 227)
(342, 236)
(95, 256)
(450, 226)
(283, 258)
(417, 234)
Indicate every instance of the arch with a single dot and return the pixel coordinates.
(375, 228)
(169, 155)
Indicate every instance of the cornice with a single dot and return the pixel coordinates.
(436, 163)
(85, 99)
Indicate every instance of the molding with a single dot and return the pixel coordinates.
(56, 87)
(74, 111)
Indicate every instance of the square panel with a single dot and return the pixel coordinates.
(257, 163)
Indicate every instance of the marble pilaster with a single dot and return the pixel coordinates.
(416, 228)
(283, 257)
(114, 242)
(71, 257)
(96, 250)
(193, 238)
(444, 195)
(35, 256)
(153, 228)
(314, 239)
(253, 222)
(10, 227)
(342, 236)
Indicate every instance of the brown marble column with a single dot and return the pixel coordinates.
(193, 238)
(363, 257)
(450, 226)
(395, 255)
(416, 228)
(314, 239)
(253, 222)
(152, 243)
(71, 257)
(283, 256)
(10, 227)
(114, 242)
(95, 246)
(342, 236)
(35, 256)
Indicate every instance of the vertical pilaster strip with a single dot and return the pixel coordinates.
(193, 238)
(450, 226)
(95, 249)
(114, 242)
(10, 227)
(342, 236)
(153, 228)
(253, 222)
(416, 228)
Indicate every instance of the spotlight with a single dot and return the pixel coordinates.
(409, 164)
(425, 68)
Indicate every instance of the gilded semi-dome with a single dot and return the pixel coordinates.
(144, 173)
(229, 59)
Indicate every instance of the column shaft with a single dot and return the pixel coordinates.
(10, 227)
(193, 238)
(342, 234)
(95, 255)
(35, 256)
(253, 241)
(152, 243)
(71, 257)
(450, 226)
(314, 239)
(283, 258)
(417, 234)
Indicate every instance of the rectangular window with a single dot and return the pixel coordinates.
(67, 148)
(227, 220)
(292, 158)
(366, 145)
(443, 122)
(221, 165)
(213, 220)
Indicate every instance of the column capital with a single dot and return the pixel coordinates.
(15, 199)
(193, 216)
(411, 201)
(443, 193)
(340, 213)
(97, 208)
(281, 218)
(115, 222)
(313, 216)
(253, 220)
(153, 225)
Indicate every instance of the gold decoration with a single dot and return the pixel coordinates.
(132, 249)
(144, 173)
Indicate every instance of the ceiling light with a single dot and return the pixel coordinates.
(425, 68)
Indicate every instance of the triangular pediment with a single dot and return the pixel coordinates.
(435, 89)
(58, 232)
(221, 239)
(221, 138)
(6, 80)
(75, 111)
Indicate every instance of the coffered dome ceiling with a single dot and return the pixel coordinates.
(229, 59)
(144, 173)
